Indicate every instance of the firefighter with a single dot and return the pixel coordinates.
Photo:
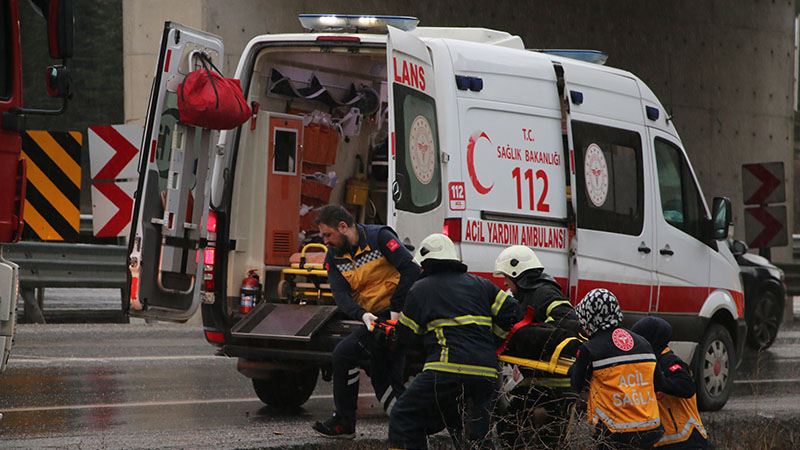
(621, 369)
(541, 402)
(524, 276)
(370, 273)
(459, 316)
(677, 403)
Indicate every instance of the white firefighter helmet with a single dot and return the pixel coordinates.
(436, 246)
(516, 259)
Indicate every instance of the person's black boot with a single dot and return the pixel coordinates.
(335, 428)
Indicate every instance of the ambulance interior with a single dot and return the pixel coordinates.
(320, 137)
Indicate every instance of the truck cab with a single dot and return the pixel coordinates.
(454, 130)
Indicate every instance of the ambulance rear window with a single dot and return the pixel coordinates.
(418, 169)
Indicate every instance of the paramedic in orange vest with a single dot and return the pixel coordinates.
(370, 273)
(677, 404)
(621, 369)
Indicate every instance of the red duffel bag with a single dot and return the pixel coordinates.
(209, 100)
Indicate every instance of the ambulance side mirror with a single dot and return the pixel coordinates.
(720, 218)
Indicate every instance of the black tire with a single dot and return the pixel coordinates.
(714, 368)
(763, 320)
(286, 389)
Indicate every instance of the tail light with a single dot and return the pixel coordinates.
(215, 336)
(452, 229)
(209, 255)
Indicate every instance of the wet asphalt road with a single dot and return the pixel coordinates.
(160, 386)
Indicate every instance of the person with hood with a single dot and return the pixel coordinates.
(459, 316)
(677, 403)
(539, 404)
(621, 369)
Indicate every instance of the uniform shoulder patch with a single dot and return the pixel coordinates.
(393, 245)
(675, 368)
(327, 266)
(622, 339)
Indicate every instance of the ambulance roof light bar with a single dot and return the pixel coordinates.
(592, 56)
(356, 23)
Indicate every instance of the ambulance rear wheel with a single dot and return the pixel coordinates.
(286, 389)
(714, 367)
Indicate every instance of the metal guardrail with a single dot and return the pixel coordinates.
(48, 264)
(791, 271)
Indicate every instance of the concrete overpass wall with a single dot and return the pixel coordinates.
(723, 67)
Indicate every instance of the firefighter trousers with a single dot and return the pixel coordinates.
(436, 400)
(386, 373)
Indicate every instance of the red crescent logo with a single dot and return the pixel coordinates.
(471, 162)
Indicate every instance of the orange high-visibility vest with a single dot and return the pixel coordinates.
(680, 417)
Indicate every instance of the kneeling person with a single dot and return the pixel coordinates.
(683, 428)
(459, 315)
(621, 369)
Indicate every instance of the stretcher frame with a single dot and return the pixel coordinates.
(556, 364)
(307, 269)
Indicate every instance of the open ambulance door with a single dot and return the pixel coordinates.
(415, 172)
(168, 231)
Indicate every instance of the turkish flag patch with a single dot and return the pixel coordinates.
(675, 367)
(392, 245)
(327, 266)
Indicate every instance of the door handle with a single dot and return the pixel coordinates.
(666, 251)
(643, 248)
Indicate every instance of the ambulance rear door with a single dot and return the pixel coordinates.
(415, 171)
(168, 231)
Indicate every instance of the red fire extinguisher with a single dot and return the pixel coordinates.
(250, 289)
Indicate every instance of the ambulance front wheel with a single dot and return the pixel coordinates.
(714, 368)
(286, 389)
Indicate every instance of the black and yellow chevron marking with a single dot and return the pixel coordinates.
(52, 199)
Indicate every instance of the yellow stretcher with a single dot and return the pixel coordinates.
(307, 278)
(556, 365)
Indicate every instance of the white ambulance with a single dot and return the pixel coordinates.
(461, 130)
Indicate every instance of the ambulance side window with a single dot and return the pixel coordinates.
(610, 180)
(680, 199)
(418, 170)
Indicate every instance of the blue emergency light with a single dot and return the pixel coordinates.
(592, 56)
(356, 23)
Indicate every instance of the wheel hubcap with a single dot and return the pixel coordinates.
(716, 367)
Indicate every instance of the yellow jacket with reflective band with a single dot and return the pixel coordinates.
(679, 417)
(372, 279)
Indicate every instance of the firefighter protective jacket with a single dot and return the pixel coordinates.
(678, 406)
(542, 292)
(459, 315)
(375, 274)
(620, 366)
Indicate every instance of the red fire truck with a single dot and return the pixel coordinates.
(58, 14)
